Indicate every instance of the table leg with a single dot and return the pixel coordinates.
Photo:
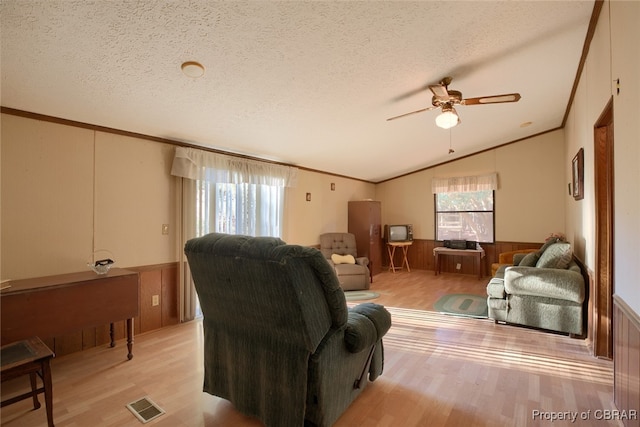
(34, 389)
(437, 263)
(48, 390)
(112, 334)
(130, 338)
(483, 262)
(405, 260)
(392, 251)
(479, 262)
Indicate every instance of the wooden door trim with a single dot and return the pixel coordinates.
(604, 205)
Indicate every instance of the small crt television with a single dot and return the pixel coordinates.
(398, 233)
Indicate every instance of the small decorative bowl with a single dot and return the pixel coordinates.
(103, 262)
(100, 269)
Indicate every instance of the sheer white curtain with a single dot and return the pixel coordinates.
(461, 184)
(221, 193)
(221, 168)
(250, 209)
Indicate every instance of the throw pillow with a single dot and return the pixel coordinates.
(558, 255)
(343, 259)
(550, 241)
(529, 260)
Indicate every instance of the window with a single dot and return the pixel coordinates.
(249, 209)
(228, 194)
(465, 215)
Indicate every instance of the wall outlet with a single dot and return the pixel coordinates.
(155, 300)
(165, 228)
(458, 266)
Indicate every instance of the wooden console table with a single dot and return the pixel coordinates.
(31, 357)
(477, 253)
(391, 248)
(55, 305)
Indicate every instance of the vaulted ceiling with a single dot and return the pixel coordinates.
(307, 83)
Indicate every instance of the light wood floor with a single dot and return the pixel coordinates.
(439, 371)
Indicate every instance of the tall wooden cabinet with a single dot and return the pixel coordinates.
(365, 224)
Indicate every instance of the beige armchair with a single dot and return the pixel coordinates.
(340, 250)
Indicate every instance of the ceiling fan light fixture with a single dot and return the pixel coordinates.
(448, 118)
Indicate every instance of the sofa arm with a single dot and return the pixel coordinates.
(362, 261)
(367, 324)
(495, 288)
(545, 282)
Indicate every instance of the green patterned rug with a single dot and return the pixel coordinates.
(466, 305)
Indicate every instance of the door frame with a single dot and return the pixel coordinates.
(603, 142)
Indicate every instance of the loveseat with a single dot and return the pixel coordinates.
(280, 342)
(543, 289)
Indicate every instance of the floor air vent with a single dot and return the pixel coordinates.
(145, 410)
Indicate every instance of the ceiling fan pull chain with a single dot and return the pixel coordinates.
(451, 150)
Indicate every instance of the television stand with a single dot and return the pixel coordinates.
(391, 249)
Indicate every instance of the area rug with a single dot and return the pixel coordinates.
(360, 295)
(466, 305)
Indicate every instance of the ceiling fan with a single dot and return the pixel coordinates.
(446, 99)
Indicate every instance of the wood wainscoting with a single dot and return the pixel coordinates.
(420, 256)
(160, 280)
(626, 343)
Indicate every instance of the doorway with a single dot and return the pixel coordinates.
(604, 206)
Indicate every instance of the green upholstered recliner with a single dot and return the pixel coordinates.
(280, 342)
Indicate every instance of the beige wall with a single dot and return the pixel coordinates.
(68, 191)
(47, 198)
(134, 196)
(625, 17)
(613, 55)
(529, 202)
(326, 212)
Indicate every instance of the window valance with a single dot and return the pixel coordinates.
(215, 167)
(465, 183)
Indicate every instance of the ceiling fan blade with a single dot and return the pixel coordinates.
(495, 99)
(440, 92)
(413, 112)
(410, 93)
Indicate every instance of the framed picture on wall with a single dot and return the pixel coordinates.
(578, 175)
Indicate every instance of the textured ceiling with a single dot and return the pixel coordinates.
(306, 83)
